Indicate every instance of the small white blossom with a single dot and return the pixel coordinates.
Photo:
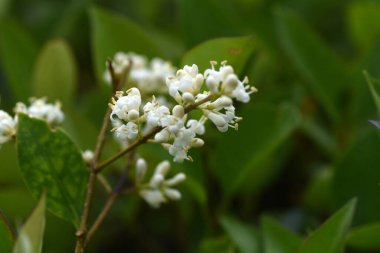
(126, 132)
(7, 127)
(88, 156)
(158, 190)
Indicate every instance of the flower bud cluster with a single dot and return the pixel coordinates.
(51, 113)
(212, 92)
(158, 190)
(149, 77)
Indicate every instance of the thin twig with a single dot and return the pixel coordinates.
(81, 233)
(111, 198)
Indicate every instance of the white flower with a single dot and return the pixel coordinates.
(39, 109)
(126, 108)
(187, 83)
(155, 113)
(7, 127)
(126, 132)
(158, 190)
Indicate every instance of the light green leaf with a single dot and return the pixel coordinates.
(6, 234)
(244, 237)
(50, 161)
(365, 237)
(17, 54)
(237, 51)
(364, 22)
(30, 237)
(55, 73)
(112, 33)
(268, 127)
(278, 239)
(330, 236)
(313, 59)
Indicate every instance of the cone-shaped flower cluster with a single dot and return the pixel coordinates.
(212, 93)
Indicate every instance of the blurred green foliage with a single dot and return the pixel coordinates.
(303, 150)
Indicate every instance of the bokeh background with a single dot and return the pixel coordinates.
(303, 150)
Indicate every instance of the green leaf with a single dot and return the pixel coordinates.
(278, 239)
(357, 175)
(219, 244)
(237, 51)
(268, 127)
(6, 234)
(313, 59)
(244, 237)
(374, 93)
(17, 53)
(50, 161)
(55, 72)
(365, 237)
(30, 237)
(364, 22)
(330, 236)
(112, 33)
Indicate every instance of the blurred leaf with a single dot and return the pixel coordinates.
(357, 175)
(6, 234)
(313, 59)
(330, 236)
(375, 95)
(365, 237)
(220, 245)
(55, 72)
(278, 239)
(112, 33)
(17, 53)
(202, 20)
(50, 161)
(375, 123)
(317, 195)
(19, 208)
(4, 6)
(263, 129)
(364, 22)
(9, 174)
(236, 51)
(244, 237)
(197, 190)
(30, 237)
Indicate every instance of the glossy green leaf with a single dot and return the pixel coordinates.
(236, 51)
(314, 60)
(112, 33)
(6, 234)
(244, 237)
(267, 127)
(330, 236)
(278, 239)
(50, 161)
(365, 237)
(17, 54)
(55, 72)
(357, 175)
(364, 22)
(30, 237)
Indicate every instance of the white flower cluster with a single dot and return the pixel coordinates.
(212, 92)
(148, 76)
(158, 190)
(51, 113)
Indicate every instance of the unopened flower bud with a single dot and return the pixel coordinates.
(212, 84)
(162, 168)
(178, 111)
(133, 115)
(156, 180)
(141, 168)
(179, 178)
(162, 136)
(218, 120)
(172, 194)
(197, 143)
(188, 98)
